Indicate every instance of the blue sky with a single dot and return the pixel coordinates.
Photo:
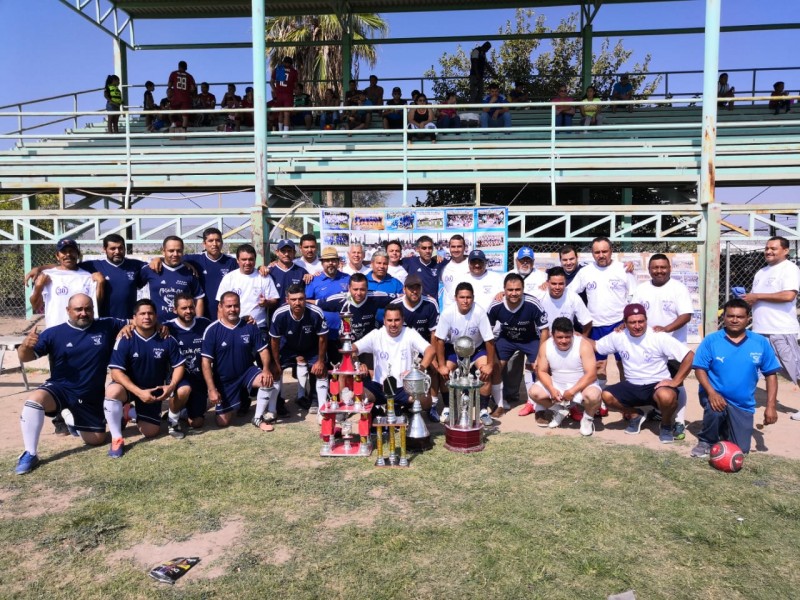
(48, 49)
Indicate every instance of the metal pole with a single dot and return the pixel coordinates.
(710, 67)
(713, 216)
(260, 230)
(727, 270)
(553, 154)
(586, 74)
(28, 204)
(121, 67)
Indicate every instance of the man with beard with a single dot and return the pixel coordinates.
(454, 270)
(487, 284)
(425, 265)
(285, 272)
(524, 266)
(379, 280)
(308, 255)
(257, 294)
(175, 277)
(331, 281)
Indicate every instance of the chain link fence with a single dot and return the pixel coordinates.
(740, 262)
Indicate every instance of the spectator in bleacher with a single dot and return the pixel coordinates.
(113, 96)
(148, 104)
(590, 113)
(498, 116)
(355, 119)
(725, 91)
(352, 90)
(374, 92)
(162, 120)
(777, 105)
(393, 117)
(231, 99)
(622, 90)
(477, 71)
(518, 94)
(414, 95)
(246, 119)
(301, 100)
(329, 119)
(564, 110)
(448, 117)
(421, 117)
(205, 100)
(183, 90)
(283, 81)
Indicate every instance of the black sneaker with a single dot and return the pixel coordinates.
(176, 430)
(60, 426)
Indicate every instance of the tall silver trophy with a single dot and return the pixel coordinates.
(416, 383)
(464, 430)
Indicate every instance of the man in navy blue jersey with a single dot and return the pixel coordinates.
(299, 338)
(424, 265)
(379, 280)
(79, 351)
(145, 368)
(517, 320)
(211, 265)
(331, 281)
(188, 329)
(284, 272)
(175, 277)
(230, 346)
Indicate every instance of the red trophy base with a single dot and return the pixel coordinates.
(465, 441)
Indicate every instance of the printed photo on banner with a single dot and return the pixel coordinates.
(335, 219)
(399, 220)
(461, 219)
(430, 219)
(489, 218)
(495, 261)
(369, 221)
(336, 239)
(493, 240)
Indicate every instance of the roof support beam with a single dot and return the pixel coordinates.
(98, 19)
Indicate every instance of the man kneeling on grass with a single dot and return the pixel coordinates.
(644, 354)
(567, 374)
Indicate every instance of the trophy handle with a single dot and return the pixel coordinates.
(427, 383)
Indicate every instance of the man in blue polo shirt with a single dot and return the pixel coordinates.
(424, 265)
(79, 351)
(362, 303)
(379, 280)
(727, 364)
(299, 338)
(175, 277)
(331, 281)
(284, 272)
(211, 265)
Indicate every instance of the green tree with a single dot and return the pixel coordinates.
(323, 63)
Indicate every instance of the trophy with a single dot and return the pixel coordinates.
(463, 431)
(395, 428)
(416, 384)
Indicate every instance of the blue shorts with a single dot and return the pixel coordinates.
(87, 412)
(235, 391)
(197, 405)
(111, 107)
(506, 349)
(450, 353)
(288, 358)
(600, 331)
(631, 394)
(400, 395)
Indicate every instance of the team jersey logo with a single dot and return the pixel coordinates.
(756, 356)
(98, 340)
(617, 284)
(592, 285)
(383, 355)
(158, 352)
(306, 329)
(624, 355)
(246, 338)
(62, 290)
(69, 345)
(131, 275)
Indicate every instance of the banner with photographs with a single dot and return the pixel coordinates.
(483, 229)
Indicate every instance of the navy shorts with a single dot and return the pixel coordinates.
(506, 349)
(731, 424)
(86, 412)
(197, 405)
(235, 391)
(288, 358)
(631, 394)
(450, 353)
(601, 331)
(400, 395)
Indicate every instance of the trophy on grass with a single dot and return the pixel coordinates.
(463, 431)
(416, 384)
(396, 427)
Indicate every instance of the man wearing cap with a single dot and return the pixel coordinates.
(53, 287)
(284, 272)
(425, 265)
(257, 294)
(355, 260)
(644, 355)
(393, 117)
(532, 278)
(622, 90)
(379, 280)
(486, 284)
(331, 281)
(453, 270)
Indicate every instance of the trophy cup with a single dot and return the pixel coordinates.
(464, 431)
(416, 384)
(395, 428)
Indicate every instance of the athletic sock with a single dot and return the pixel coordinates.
(272, 394)
(538, 407)
(173, 417)
(680, 414)
(322, 389)
(31, 421)
(302, 379)
(113, 411)
(262, 399)
(434, 401)
(497, 394)
(528, 378)
(484, 402)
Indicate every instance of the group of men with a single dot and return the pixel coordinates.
(216, 329)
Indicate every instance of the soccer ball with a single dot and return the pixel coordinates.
(328, 127)
(726, 456)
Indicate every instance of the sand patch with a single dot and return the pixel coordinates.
(40, 501)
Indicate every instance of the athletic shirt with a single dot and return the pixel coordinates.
(398, 272)
(190, 342)
(348, 270)
(394, 356)
(79, 357)
(114, 95)
(776, 317)
(147, 361)
(62, 286)
(422, 318)
(250, 288)
(532, 282)
(300, 336)
(211, 273)
(429, 273)
(566, 366)
(323, 286)
(452, 274)
(607, 290)
(122, 284)
(664, 304)
(312, 267)
(364, 314)
(283, 278)
(486, 287)
(233, 349)
(645, 357)
(475, 324)
(569, 306)
(162, 288)
(733, 368)
(388, 285)
(182, 84)
(520, 325)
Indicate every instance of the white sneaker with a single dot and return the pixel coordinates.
(587, 425)
(445, 416)
(269, 417)
(558, 417)
(795, 416)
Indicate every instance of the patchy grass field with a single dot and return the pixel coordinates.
(555, 517)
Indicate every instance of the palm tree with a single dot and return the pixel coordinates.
(322, 63)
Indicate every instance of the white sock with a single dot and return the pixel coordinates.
(66, 414)
(434, 400)
(113, 410)
(132, 413)
(262, 400)
(322, 389)
(528, 377)
(31, 421)
(273, 393)
(680, 415)
(538, 407)
(302, 379)
(497, 393)
(173, 417)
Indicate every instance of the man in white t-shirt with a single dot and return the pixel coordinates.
(454, 270)
(608, 288)
(669, 309)
(644, 354)
(394, 249)
(308, 255)
(558, 300)
(257, 294)
(485, 283)
(524, 266)
(355, 261)
(466, 318)
(774, 302)
(394, 348)
(53, 288)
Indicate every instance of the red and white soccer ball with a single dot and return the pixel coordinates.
(726, 456)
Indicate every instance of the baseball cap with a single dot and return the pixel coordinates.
(329, 252)
(633, 309)
(413, 279)
(477, 255)
(525, 252)
(66, 243)
(286, 244)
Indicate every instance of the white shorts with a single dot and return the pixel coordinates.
(578, 398)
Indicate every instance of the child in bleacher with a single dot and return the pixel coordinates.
(113, 96)
(779, 105)
(149, 104)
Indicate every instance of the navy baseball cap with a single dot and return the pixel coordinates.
(525, 252)
(66, 243)
(477, 255)
(286, 244)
